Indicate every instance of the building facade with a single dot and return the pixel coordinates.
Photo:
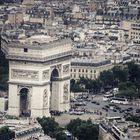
(134, 32)
(89, 69)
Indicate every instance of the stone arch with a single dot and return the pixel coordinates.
(54, 74)
(24, 102)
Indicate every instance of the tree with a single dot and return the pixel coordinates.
(61, 136)
(128, 90)
(133, 119)
(75, 86)
(97, 85)
(120, 74)
(129, 93)
(122, 86)
(6, 133)
(107, 78)
(72, 126)
(49, 126)
(134, 72)
(87, 132)
(83, 130)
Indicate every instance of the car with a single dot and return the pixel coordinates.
(88, 100)
(129, 109)
(137, 110)
(107, 106)
(104, 108)
(121, 111)
(79, 100)
(112, 104)
(73, 100)
(80, 104)
(97, 103)
(74, 112)
(114, 110)
(94, 102)
(55, 113)
(89, 112)
(79, 113)
(117, 107)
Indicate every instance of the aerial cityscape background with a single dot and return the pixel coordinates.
(70, 70)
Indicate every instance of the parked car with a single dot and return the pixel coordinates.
(121, 111)
(80, 104)
(104, 108)
(117, 107)
(114, 110)
(107, 106)
(137, 110)
(97, 103)
(129, 109)
(74, 112)
(94, 102)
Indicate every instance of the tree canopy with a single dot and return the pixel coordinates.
(49, 125)
(6, 133)
(83, 130)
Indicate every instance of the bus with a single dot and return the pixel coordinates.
(120, 101)
(108, 97)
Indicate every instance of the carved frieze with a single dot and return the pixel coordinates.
(45, 98)
(25, 74)
(45, 75)
(59, 67)
(66, 92)
(66, 69)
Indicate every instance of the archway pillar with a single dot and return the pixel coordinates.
(37, 101)
(14, 103)
(65, 95)
(60, 97)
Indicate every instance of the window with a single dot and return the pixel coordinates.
(25, 50)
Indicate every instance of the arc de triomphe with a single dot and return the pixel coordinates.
(39, 75)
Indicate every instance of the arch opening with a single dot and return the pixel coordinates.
(54, 75)
(54, 90)
(24, 103)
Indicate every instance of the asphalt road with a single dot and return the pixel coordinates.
(99, 98)
(66, 117)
